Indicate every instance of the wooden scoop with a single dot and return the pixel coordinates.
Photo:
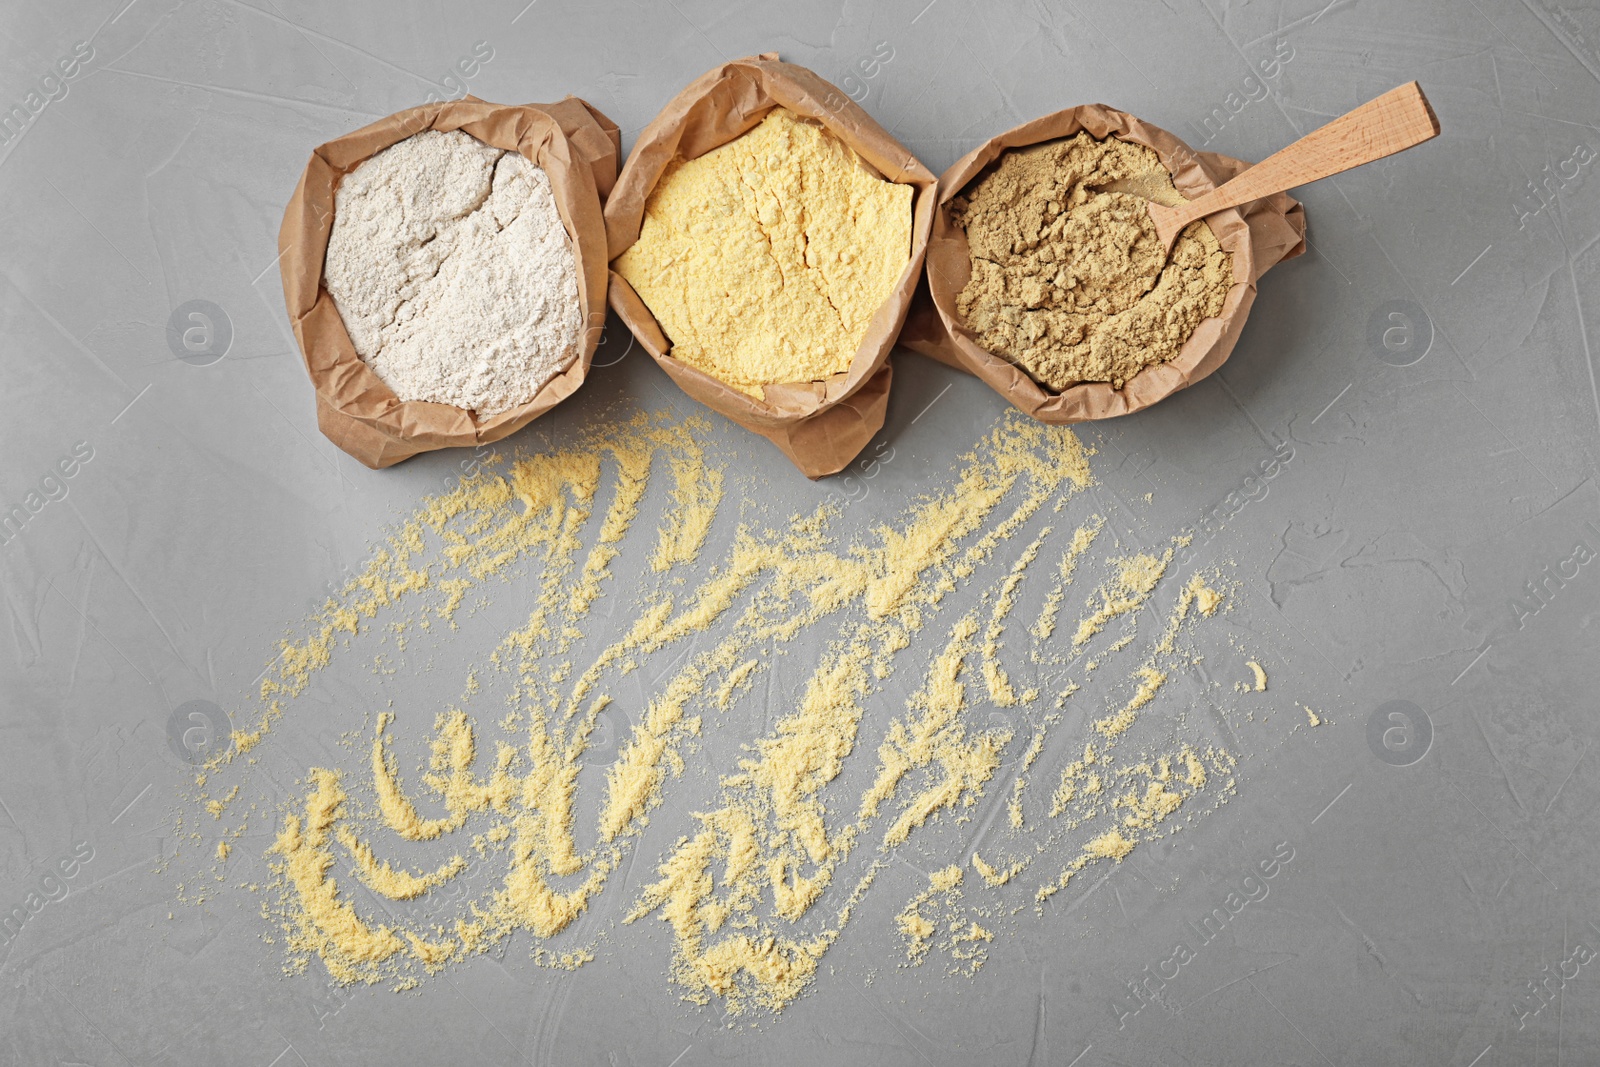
(1392, 123)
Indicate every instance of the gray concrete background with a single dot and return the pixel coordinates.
(1443, 459)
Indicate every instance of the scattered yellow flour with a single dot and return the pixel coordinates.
(772, 815)
(1143, 799)
(996, 876)
(325, 924)
(967, 948)
(964, 939)
(919, 931)
(466, 825)
(1261, 675)
(937, 733)
(1196, 594)
(1082, 539)
(765, 259)
(1150, 680)
(1069, 279)
(1136, 579)
(1001, 691)
(698, 492)
(1312, 717)
(1020, 783)
(1207, 598)
(1075, 780)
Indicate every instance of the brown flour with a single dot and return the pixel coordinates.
(1068, 276)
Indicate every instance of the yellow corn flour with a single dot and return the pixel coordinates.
(939, 908)
(765, 259)
(452, 827)
(1069, 279)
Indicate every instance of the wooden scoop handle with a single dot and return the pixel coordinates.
(1395, 121)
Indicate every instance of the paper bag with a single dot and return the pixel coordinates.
(576, 145)
(1259, 235)
(821, 426)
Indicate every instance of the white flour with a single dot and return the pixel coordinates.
(453, 274)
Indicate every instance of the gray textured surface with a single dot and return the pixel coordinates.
(1381, 564)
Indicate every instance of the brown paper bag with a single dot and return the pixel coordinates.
(1259, 235)
(576, 145)
(821, 426)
